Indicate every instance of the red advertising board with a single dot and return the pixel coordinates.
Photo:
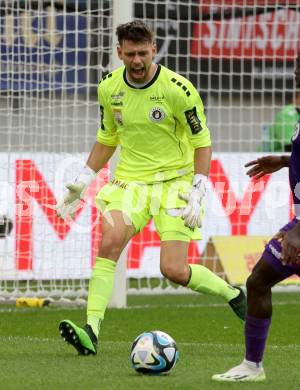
(45, 247)
(247, 3)
(266, 36)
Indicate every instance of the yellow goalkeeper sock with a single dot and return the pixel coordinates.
(100, 290)
(205, 281)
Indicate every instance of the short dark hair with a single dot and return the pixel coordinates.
(135, 31)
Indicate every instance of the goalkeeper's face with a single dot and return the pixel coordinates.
(138, 60)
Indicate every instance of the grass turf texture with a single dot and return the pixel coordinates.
(208, 335)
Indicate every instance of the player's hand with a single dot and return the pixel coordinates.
(71, 201)
(69, 204)
(191, 214)
(265, 165)
(291, 246)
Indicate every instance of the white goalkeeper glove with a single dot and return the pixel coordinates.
(70, 202)
(191, 214)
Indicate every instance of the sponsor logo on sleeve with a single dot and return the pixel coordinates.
(193, 120)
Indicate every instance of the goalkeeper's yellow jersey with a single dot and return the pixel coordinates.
(157, 126)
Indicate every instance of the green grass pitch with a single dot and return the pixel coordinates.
(208, 335)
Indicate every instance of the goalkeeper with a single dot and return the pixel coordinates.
(156, 116)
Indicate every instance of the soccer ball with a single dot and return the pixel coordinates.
(154, 353)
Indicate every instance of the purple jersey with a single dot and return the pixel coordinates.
(294, 169)
(272, 252)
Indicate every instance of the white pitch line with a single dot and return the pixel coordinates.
(27, 309)
(195, 305)
(288, 347)
(138, 307)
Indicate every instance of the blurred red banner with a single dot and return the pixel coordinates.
(266, 36)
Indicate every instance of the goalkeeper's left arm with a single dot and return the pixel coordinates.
(192, 214)
(202, 158)
(193, 118)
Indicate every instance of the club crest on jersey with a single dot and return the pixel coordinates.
(156, 114)
(118, 117)
(296, 132)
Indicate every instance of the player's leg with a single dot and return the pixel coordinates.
(175, 237)
(174, 266)
(258, 320)
(259, 313)
(267, 272)
(115, 236)
(121, 220)
(114, 239)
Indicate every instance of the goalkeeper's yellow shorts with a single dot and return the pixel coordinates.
(141, 202)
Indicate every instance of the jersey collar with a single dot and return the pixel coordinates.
(154, 78)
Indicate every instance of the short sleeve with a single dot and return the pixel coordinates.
(107, 132)
(190, 113)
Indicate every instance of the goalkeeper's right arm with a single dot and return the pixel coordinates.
(98, 157)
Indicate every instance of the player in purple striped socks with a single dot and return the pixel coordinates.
(280, 259)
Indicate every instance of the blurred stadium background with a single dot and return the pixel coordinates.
(239, 54)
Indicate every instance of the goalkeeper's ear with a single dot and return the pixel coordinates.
(154, 49)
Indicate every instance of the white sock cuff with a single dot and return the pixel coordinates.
(252, 364)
